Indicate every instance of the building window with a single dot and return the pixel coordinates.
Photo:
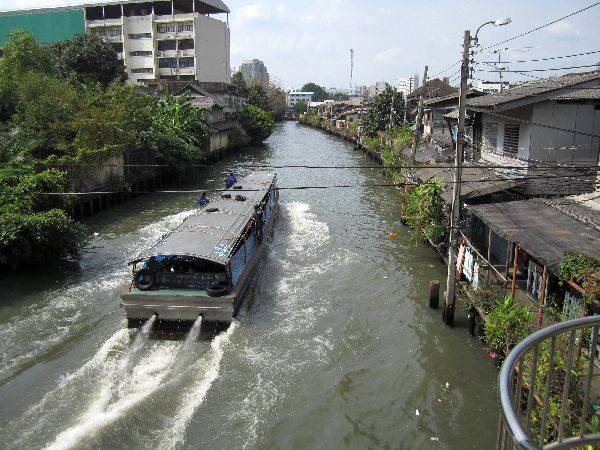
(490, 134)
(167, 63)
(142, 70)
(186, 44)
(511, 138)
(186, 62)
(140, 53)
(140, 35)
(166, 45)
(166, 28)
(185, 26)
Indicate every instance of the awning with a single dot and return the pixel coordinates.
(476, 182)
(543, 231)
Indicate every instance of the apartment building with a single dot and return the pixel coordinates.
(407, 85)
(294, 97)
(172, 40)
(255, 71)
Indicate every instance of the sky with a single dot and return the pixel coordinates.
(310, 40)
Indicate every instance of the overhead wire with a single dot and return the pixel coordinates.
(550, 58)
(579, 11)
(550, 69)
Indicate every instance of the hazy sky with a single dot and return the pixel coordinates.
(309, 40)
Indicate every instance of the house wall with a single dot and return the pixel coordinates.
(219, 140)
(487, 151)
(212, 49)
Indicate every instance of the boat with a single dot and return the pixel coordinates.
(205, 265)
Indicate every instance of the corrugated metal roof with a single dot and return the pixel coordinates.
(544, 232)
(532, 88)
(476, 182)
(213, 235)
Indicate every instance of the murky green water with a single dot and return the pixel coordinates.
(334, 348)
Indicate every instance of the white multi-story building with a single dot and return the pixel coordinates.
(377, 88)
(407, 85)
(294, 97)
(255, 71)
(172, 40)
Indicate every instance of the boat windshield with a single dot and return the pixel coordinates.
(184, 272)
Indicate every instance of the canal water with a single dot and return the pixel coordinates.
(335, 346)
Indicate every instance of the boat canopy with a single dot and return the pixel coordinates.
(213, 232)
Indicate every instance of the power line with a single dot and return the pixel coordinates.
(447, 68)
(542, 59)
(540, 70)
(540, 27)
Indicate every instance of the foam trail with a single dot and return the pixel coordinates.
(186, 349)
(194, 397)
(145, 380)
(138, 344)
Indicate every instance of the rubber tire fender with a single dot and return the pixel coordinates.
(148, 284)
(218, 290)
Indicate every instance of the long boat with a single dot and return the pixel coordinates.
(205, 265)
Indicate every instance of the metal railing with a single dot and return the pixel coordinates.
(546, 388)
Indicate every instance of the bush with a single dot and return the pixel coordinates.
(257, 123)
(507, 324)
(424, 212)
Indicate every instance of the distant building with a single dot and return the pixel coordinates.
(377, 88)
(407, 85)
(255, 71)
(294, 97)
(491, 87)
(169, 40)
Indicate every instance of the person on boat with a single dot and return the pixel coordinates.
(230, 180)
(203, 200)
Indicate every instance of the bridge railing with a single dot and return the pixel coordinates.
(548, 387)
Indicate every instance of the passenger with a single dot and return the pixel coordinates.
(230, 180)
(203, 200)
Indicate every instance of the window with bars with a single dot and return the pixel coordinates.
(167, 63)
(142, 70)
(140, 35)
(185, 26)
(166, 28)
(511, 138)
(490, 134)
(186, 62)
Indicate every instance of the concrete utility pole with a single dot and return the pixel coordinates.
(449, 304)
(391, 125)
(351, 66)
(419, 120)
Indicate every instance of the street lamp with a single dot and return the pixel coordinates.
(496, 23)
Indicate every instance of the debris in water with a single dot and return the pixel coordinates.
(417, 412)
(435, 439)
(447, 385)
(392, 234)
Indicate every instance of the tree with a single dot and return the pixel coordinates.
(21, 54)
(277, 99)
(89, 58)
(319, 94)
(340, 96)
(301, 107)
(258, 97)
(257, 123)
(378, 116)
(239, 84)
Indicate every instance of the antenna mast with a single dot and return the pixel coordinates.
(351, 66)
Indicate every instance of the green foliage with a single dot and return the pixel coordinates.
(339, 96)
(258, 97)
(507, 324)
(277, 98)
(257, 123)
(20, 54)
(584, 270)
(239, 138)
(89, 59)
(378, 116)
(239, 84)
(424, 211)
(301, 107)
(319, 94)
(32, 227)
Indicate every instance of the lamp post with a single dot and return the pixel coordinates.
(496, 23)
(450, 300)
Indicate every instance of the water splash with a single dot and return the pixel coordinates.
(194, 397)
(186, 351)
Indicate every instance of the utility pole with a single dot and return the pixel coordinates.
(449, 304)
(419, 120)
(391, 125)
(351, 66)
